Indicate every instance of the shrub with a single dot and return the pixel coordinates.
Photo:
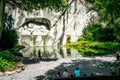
(6, 65)
(9, 39)
(15, 51)
(81, 38)
(7, 56)
(89, 48)
(7, 61)
(93, 32)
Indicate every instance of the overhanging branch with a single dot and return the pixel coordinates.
(62, 13)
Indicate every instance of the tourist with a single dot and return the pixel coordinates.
(118, 71)
(113, 71)
(65, 73)
(77, 72)
(39, 54)
(58, 75)
(84, 75)
(117, 55)
(70, 75)
(91, 74)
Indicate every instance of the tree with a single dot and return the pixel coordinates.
(57, 5)
(108, 9)
(29, 5)
(2, 8)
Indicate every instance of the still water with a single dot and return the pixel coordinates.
(50, 53)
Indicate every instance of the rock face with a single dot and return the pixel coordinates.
(50, 28)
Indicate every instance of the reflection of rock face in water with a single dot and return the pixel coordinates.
(49, 53)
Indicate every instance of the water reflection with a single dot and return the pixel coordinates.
(49, 53)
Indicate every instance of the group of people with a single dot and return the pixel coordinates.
(66, 74)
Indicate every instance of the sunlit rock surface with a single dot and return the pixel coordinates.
(50, 28)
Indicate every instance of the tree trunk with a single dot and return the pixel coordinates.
(63, 31)
(2, 9)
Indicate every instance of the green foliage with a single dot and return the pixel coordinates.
(81, 38)
(118, 21)
(57, 5)
(7, 61)
(89, 48)
(95, 32)
(20, 47)
(15, 51)
(7, 55)
(108, 9)
(9, 39)
(107, 34)
(6, 65)
(98, 39)
(111, 33)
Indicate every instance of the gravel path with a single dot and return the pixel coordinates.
(35, 70)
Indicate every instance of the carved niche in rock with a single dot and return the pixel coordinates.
(37, 21)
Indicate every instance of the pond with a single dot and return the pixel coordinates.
(50, 53)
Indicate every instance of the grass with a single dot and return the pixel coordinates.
(90, 48)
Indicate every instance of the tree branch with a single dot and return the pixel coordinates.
(62, 13)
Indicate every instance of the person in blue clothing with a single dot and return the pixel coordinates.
(77, 72)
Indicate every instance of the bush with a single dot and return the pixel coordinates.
(7, 56)
(93, 32)
(6, 65)
(15, 51)
(7, 61)
(89, 48)
(9, 39)
(20, 47)
(81, 38)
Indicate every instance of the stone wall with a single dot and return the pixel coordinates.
(69, 23)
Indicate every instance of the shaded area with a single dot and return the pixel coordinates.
(94, 78)
(88, 68)
(27, 60)
(37, 21)
(9, 21)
